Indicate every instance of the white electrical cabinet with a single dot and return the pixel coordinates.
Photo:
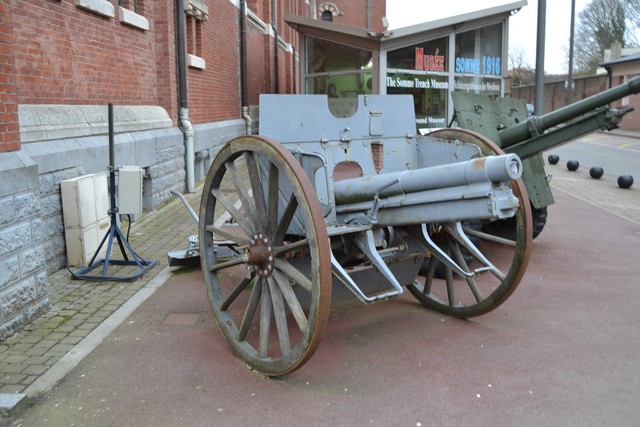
(85, 210)
(130, 190)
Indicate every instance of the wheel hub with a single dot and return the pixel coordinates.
(260, 255)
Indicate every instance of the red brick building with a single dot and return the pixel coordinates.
(63, 61)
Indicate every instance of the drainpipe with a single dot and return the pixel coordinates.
(294, 76)
(247, 119)
(243, 52)
(368, 15)
(275, 47)
(243, 66)
(184, 125)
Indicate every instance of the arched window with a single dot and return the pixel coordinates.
(328, 11)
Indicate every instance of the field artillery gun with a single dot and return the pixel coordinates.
(359, 202)
(506, 122)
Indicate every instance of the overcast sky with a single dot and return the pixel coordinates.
(522, 26)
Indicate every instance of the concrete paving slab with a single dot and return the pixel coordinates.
(561, 351)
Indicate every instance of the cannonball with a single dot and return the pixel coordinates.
(573, 165)
(625, 181)
(596, 172)
(553, 159)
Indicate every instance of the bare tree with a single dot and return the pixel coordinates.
(633, 12)
(599, 25)
(521, 70)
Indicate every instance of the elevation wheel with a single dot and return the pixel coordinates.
(265, 255)
(499, 263)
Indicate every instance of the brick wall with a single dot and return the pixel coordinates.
(165, 59)
(257, 67)
(54, 52)
(214, 93)
(354, 13)
(68, 55)
(9, 136)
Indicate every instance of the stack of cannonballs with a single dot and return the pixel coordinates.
(596, 172)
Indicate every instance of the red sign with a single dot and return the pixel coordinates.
(429, 62)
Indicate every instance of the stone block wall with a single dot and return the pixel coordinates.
(23, 250)
(32, 241)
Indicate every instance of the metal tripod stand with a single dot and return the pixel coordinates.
(129, 256)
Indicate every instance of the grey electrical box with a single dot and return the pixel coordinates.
(130, 190)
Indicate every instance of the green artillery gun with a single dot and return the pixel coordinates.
(505, 121)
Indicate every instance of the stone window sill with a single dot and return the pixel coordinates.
(132, 19)
(101, 7)
(196, 62)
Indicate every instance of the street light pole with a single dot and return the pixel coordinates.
(570, 74)
(542, 11)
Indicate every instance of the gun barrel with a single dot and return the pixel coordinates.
(504, 168)
(539, 124)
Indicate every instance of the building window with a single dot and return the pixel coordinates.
(328, 11)
(421, 70)
(133, 5)
(341, 72)
(197, 13)
(479, 52)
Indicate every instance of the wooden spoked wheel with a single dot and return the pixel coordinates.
(444, 290)
(265, 255)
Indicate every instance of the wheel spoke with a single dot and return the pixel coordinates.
(291, 299)
(285, 221)
(256, 184)
(249, 312)
(280, 315)
(226, 264)
(274, 182)
(241, 286)
(431, 272)
(243, 194)
(242, 241)
(490, 237)
(235, 213)
(266, 311)
(470, 280)
(283, 250)
(292, 272)
(451, 293)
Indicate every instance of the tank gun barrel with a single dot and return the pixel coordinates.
(537, 125)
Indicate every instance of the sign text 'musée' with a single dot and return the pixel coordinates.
(429, 62)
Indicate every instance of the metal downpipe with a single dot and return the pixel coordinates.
(276, 65)
(243, 67)
(184, 123)
(243, 52)
(187, 130)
